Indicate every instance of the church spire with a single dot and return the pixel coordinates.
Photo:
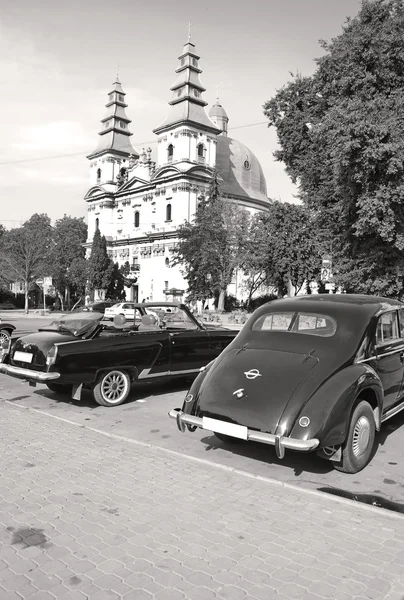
(115, 134)
(187, 102)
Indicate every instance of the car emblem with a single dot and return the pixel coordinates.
(239, 393)
(252, 374)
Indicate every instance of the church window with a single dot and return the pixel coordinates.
(194, 62)
(170, 152)
(182, 62)
(97, 223)
(179, 92)
(106, 125)
(247, 164)
(137, 218)
(120, 97)
(201, 153)
(167, 261)
(168, 212)
(122, 124)
(196, 93)
(98, 175)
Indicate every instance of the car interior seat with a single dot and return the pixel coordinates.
(149, 323)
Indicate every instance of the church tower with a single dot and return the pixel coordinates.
(109, 162)
(188, 136)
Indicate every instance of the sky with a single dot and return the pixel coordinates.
(59, 59)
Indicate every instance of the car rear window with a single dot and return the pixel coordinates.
(296, 322)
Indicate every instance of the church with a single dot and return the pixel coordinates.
(137, 200)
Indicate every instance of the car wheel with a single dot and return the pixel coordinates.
(358, 447)
(5, 336)
(112, 388)
(60, 388)
(228, 439)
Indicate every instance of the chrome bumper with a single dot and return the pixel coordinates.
(280, 442)
(21, 373)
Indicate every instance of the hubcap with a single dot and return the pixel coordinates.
(4, 337)
(114, 386)
(361, 436)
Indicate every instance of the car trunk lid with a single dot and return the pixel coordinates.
(252, 387)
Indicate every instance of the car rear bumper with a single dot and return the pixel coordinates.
(27, 374)
(280, 442)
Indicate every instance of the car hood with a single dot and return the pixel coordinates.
(254, 387)
(38, 345)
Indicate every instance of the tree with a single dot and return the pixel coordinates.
(24, 252)
(211, 247)
(115, 289)
(284, 248)
(67, 257)
(341, 133)
(100, 266)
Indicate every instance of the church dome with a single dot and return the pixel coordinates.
(218, 111)
(243, 178)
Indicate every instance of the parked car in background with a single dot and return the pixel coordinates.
(319, 372)
(6, 329)
(126, 309)
(98, 306)
(83, 350)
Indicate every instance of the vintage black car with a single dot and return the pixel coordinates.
(83, 349)
(6, 329)
(319, 372)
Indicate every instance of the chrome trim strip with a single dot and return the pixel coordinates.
(280, 442)
(145, 373)
(395, 351)
(393, 411)
(27, 374)
(364, 360)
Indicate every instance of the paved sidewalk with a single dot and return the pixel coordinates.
(84, 515)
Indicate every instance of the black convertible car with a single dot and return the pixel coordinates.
(82, 349)
(319, 372)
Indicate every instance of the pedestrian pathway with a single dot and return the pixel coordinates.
(85, 515)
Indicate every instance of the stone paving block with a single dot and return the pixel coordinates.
(252, 539)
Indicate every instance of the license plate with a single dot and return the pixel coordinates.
(23, 356)
(238, 431)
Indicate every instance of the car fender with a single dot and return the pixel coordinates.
(329, 408)
(7, 327)
(132, 371)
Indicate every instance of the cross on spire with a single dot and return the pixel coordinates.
(189, 31)
(217, 92)
(117, 71)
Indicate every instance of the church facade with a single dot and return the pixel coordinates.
(137, 201)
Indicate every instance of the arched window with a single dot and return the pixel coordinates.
(97, 223)
(201, 152)
(167, 261)
(170, 152)
(168, 212)
(137, 219)
(98, 175)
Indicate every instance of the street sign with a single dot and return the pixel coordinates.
(47, 282)
(39, 281)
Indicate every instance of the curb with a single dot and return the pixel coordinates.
(324, 497)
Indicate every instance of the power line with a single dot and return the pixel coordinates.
(57, 156)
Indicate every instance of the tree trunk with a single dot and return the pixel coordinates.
(26, 308)
(220, 305)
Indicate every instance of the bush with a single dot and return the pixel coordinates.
(260, 300)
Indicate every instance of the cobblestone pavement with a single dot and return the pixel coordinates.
(86, 515)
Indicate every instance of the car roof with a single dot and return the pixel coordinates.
(335, 304)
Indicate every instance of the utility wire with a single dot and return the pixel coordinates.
(56, 156)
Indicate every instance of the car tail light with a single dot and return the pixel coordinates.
(51, 356)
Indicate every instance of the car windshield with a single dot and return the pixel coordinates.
(296, 322)
(172, 316)
(75, 323)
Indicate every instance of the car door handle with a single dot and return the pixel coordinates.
(402, 356)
